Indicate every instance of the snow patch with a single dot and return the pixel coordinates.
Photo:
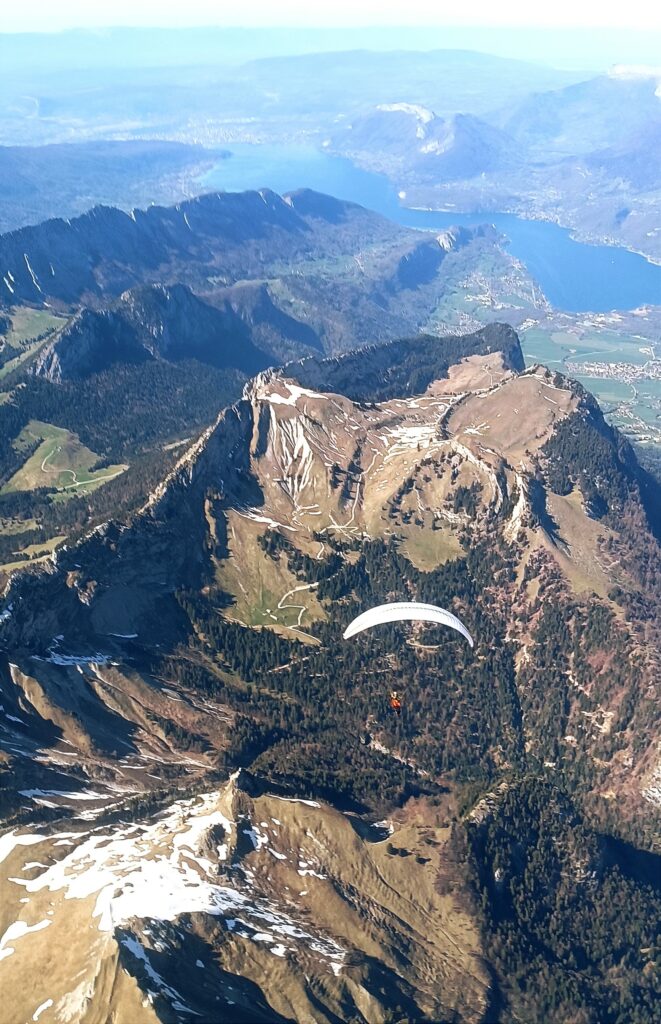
(16, 931)
(295, 800)
(421, 113)
(55, 658)
(40, 1009)
(255, 837)
(10, 840)
(31, 272)
(266, 393)
(652, 792)
(159, 871)
(87, 794)
(250, 513)
(437, 147)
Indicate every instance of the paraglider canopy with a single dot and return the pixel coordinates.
(406, 610)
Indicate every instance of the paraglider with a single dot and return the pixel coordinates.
(400, 611)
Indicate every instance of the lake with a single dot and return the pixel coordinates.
(574, 276)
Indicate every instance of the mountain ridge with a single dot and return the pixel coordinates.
(359, 859)
(148, 322)
(60, 259)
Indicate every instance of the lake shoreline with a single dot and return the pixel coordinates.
(576, 276)
(574, 233)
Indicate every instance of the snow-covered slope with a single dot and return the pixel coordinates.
(252, 906)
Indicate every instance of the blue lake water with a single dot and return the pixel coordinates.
(574, 276)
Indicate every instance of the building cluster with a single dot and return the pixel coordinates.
(627, 372)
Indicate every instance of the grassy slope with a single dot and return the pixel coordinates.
(26, 335)
(35, 552)
(57, 462)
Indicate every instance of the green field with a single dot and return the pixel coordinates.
(26, 335)
(633, 407)
(28, 324)
(608, 391)
(35, 552)
(650, 388)
(60, 461)
(551, 347)
(539, 346)
(649, 402)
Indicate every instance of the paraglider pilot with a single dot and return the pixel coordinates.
(395, 703)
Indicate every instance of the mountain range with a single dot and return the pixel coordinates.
(210, 243)
(182, 719)
(506, 135)
(169, 310)
(65, 260)
(581, 118)
(583, 155)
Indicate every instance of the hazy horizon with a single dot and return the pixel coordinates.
(590, 49)
(637, 14)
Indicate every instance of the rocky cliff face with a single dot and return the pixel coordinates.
(151, 322)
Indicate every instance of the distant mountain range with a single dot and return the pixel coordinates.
(635, 159)
(585, 155)
(427, 147)
(196, 102)
(506, 135)
(579, 119)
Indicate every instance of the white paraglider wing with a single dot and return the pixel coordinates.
(403, 610)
